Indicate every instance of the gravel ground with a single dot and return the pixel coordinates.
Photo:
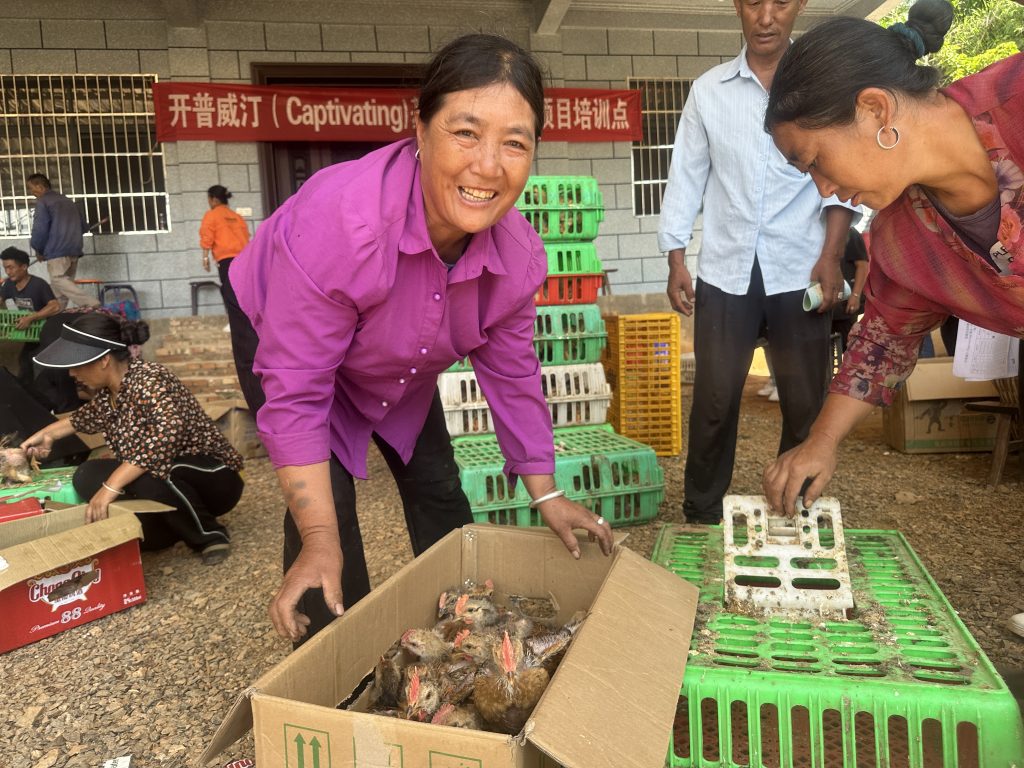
(154, 681)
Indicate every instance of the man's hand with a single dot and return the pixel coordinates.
(853, 304)
(826, 272)
(317, 566)
(562, 515)
(24, 322)
(680, 284)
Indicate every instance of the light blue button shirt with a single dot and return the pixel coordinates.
(754, 202)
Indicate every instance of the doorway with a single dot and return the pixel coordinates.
(286, 165)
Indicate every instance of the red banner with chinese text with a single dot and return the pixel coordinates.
(224, 112)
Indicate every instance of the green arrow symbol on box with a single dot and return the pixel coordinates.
(300, 749)
(315, 746)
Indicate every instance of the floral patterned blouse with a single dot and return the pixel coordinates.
(922, 272)
(156, 420)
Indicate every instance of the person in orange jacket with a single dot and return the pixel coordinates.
(224, 232)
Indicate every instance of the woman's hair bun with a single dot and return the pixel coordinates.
(931, 19)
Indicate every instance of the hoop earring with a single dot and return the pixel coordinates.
(417, 153)
(878, 137)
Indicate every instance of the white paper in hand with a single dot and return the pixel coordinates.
(982, 355)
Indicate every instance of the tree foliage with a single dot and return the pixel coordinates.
(983, 32)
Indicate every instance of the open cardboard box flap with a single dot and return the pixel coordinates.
(33, 545)
(611, 702)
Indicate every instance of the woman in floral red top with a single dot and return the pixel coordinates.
(944, 169)
(165, 447)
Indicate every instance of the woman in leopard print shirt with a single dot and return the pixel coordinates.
(165, 447)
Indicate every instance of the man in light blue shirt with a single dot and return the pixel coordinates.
(767, 235)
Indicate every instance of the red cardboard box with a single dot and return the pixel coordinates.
(57, 572)
(15, 510)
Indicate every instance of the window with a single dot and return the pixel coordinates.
(661, 105)
(94, 137)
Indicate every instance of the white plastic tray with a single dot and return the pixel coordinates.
(783, 566)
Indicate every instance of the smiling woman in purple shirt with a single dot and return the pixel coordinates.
(369, 282)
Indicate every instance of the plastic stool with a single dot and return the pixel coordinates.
(122, 300)
(195, 286)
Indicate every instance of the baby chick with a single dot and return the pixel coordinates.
(457, 717)
(508, 689)
(426, 645)
(387, 677)
(420, 697)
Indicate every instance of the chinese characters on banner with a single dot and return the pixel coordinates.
(219, 112)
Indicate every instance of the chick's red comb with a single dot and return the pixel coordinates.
(414, 687)
(507, 656)
(460, 637)
(442, 714)
(460, 604)
(442, 601)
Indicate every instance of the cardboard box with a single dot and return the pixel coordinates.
(57, 572)
(928, 415)
(611, 704)
(238, 426)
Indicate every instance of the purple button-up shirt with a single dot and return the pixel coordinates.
(357, 315)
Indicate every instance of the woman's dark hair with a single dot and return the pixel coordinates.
(476, 61)
(219, 192)
(113, 328)
(819, 78)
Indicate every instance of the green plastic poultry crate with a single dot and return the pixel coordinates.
(9, 326)
(572, 258)
(560, 192)
(611, 475)
(53, 484)
(901, 683)
(554, 224)
(564, 334)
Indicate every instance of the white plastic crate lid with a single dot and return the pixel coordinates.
(794, 573)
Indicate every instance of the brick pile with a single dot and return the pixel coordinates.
(198, 351)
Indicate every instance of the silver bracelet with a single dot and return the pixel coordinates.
(546, 497)
(112, 490)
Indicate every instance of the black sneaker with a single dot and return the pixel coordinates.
(215, 554)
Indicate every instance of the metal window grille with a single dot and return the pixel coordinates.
(661, 105)
(94, 137)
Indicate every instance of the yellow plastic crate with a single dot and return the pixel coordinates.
(642, 366)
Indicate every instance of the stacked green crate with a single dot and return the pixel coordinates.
(611, 475)
(900, 683)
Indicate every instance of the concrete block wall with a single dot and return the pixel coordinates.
(606, 58)
(67, 37)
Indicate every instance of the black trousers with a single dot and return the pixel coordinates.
(243, 341)
(726, 329)
(432, 498)
(200, 488)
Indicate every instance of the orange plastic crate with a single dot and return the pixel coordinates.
(569, 289)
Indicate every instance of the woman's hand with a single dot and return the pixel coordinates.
(318, 566)
(98, 504)
(38, 446)
(813, 460)
(853, 304)
(562, 515)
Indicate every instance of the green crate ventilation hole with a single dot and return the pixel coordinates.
(609, 474)
(900, 684)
